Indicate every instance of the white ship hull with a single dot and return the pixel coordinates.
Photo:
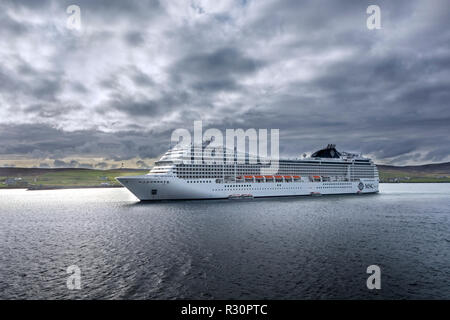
(159, 187)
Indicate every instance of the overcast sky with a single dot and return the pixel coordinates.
(116, 89)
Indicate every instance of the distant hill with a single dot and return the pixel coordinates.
(51, 178)
(36, 178)
(435, 168)
(436, 172)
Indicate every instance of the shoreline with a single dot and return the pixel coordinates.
(37, 188)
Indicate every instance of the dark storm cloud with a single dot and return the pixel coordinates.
(105, 10)
(10, 26)
(27, 83)
(139, 69)
(140, 78)
(223, 62)
(134, 38)
(142, 164)
(215, 71)
(27, 139)
(48, 110)
(59, 164)
(74, 163)
(144, 107)
(101, 165)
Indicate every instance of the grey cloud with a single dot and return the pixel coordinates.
(134, 38)
(221, 62)
(28, 84)
(438, 154)
(142, 164)
(101, 165)
(138, 108)
(140, 78)
(103, 10)
(59, 164)
(10, 26)
(217, 70)
(74, 163)
(78, 87)
(24, 139)
(49, 110)
(140, 69)
(145, 107)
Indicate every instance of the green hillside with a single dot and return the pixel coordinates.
(62, 178)
(37, 178)
(426, 173)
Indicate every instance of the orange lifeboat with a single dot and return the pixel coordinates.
(296, 177)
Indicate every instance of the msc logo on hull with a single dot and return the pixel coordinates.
(361, 186)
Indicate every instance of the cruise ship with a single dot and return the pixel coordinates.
(184, 173)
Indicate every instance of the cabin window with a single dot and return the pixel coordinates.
(154, 191)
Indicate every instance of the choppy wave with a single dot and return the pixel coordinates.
(290, 248)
